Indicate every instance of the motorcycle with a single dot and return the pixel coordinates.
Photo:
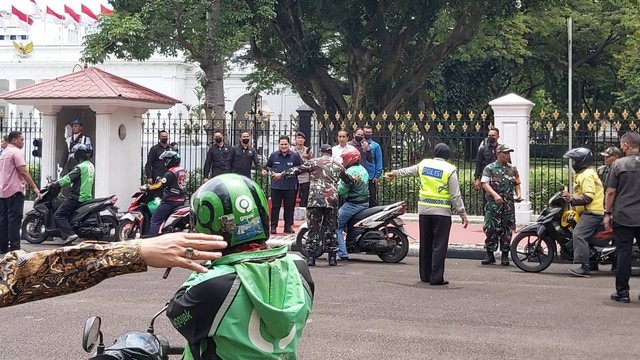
(138, 218)
(132, 345)
(95, 219)
(536, 245)
(377, 230)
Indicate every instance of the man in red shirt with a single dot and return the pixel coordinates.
(13, 175)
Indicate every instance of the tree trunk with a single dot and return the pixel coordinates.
(214, 94)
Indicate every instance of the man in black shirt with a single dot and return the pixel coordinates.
(621, 208)
(217, 158)
(362, 146)
(242, 155)
(154, 167)
(486, 156)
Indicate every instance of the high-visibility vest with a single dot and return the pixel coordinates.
(434, 180)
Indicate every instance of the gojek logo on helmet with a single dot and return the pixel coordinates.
(244, 205)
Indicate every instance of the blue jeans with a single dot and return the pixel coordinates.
(346, 211)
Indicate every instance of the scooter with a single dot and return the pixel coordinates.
(95, 219)
(138, 219)
(130, 345)
(536, 245)
(377, 230)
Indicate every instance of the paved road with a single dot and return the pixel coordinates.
(370, 310)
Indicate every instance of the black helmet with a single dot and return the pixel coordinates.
(581, 158)
(170, 158)
(81, 152)
(232, 206)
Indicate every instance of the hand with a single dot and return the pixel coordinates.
(205, 180)
(37, 191)
(170, 250)
(476, 184)
(265, 172)
(365, 145)
(143, 188)
(518, 199)
(356, 178)
(498, 199)
(149, 180)
(375, 181)
(276, 176)
(389, 176)
(465, 223)
(566, 196)
(608, 222)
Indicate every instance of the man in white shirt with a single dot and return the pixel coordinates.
(336, 151)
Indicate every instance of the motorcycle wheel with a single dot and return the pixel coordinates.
(110, 223)
(301, 238)
(34, 229)
(531, 255)
(401, 249)
(126, 230)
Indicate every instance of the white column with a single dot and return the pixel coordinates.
(102, 151)
(48, 166)
(511, 114)
(13, 85)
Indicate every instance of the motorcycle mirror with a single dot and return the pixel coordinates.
(91, 334)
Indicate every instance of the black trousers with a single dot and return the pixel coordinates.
(434, 240)
(62, 215)
(286, 198)
(373, 194)
(162, 213)
(11, 211)
(303, 193)
(624, 243)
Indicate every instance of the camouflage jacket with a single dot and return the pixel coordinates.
(324, 175)
(603, 173)
(502, 179)
(44, 274)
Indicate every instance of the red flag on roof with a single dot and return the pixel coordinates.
(73, 16)
(21, 19)
(105, 10)
(88, 17)
(54, 17)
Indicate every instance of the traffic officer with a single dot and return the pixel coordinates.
(438, 191)
(622, 205)
(77, 137)
(499, 181)
(322, 208)
(610, 155)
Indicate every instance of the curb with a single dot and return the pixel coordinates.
(455, 251)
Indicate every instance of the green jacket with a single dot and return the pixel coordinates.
(81, 179)
(357, 192)
(250, 305)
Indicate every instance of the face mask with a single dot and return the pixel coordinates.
(164, 141)
(358, 138)
(368, 136)
(492, 140)
(245, 141)
(218, 140)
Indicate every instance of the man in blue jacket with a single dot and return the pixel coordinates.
(374, 168)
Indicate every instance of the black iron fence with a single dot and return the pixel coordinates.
(31, 128)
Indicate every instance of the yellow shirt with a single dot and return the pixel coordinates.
(588, 183)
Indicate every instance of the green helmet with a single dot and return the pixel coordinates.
(232, 206)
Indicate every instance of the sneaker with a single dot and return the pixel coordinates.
(622, 297)
(343, 258)
(274, 230)
(69, 239)
(582, 271)
(289, 230)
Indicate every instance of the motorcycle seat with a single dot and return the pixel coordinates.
(97, 200)
(368, 212)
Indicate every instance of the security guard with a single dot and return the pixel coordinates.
(439, 190)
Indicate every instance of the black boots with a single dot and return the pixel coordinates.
(489, 259)
(311, 261)
(332, 259)
(504, 261)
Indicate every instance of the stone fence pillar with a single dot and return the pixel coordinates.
(511, 114)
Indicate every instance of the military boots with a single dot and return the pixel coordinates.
(489, 259)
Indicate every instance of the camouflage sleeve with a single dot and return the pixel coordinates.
(26, 277)
(306, 167)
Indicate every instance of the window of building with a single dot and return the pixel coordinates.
(1, 37)
(24, 37)
(13, 37)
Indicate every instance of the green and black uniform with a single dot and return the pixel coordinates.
(500, 219)
(249, 305)
(81, 179)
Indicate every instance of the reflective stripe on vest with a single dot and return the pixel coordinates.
(434, 181)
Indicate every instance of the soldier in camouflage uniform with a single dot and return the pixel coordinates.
(500, 180)
(610, 156)
(322, 207)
